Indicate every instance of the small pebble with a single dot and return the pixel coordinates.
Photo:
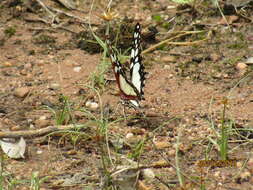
(21, 92)
(129, 135)
(167, 67)
(40, 123)
(217, 174)
(245, 175)
(77, 69)
(171, 152)
(39, 152)
(91, 105)
(241, 66)
(43, 117)
(54, 86)
(239, 164)
(7, 64)
(148, 174)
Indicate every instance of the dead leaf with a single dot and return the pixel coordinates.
(12, 148)
(230, 19)
(162, 144)
(160, 163)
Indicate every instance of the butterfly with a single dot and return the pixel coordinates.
(131, 89)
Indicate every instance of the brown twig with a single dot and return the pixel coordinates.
(181, 33)
(37, 132)
(54, 26)
(83, 21)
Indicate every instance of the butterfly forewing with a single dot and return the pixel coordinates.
(137, 73)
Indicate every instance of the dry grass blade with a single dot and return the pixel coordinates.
(38, 132)
(182, 33)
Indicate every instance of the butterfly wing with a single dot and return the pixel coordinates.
(137, 73)
(127, 89)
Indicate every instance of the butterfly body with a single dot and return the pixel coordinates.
(130, 89)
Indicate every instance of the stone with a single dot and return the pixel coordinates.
(91, 105)
(54, 86)
(41, 123)
(77, 69)
(241, 66)
(21, 92)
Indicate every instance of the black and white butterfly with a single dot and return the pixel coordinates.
(131, 89)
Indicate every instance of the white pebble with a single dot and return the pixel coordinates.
(77, 69)
(39, 152)
(91, 105)
(148, 174)
(129, 135)
(43, 117)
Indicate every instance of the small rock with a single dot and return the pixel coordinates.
(77, 69)
(239, 164)
(91, 105)
(40, 123)
(134, 139)
(245, 175)
(21, 92)
(129, 135)
(167, 67)
(172, 152)
(39, 152)
(148, 174)
(54, 86)
(171, 170)
(43, 117)
(217, 174)
(241, 66)
(7, 64)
